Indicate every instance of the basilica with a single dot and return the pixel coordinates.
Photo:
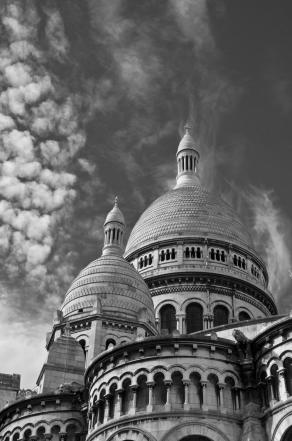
(175, 337)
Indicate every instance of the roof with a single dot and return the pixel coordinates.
(115, 285)
(188, 212)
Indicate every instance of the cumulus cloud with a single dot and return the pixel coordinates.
(41, 133)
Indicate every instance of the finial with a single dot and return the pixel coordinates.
(188, 127)
(116, 201)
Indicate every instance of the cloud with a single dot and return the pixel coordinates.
(272, 237)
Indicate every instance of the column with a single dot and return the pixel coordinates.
(106, 407)
(270, 390)
(89, 417)
(96, 415)
(236, 398)
(150, 385)
(167, 385)
(221, 387)
(204, 394)
(283, 394)
(155, 257)
(179, 255)
(187, 400)
(179, 318)
(118, 412)
(133, 406)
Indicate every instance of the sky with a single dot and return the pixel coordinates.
(94, 95)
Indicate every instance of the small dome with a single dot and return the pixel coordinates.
(187, 212)
(187, 143)
(114, 287)
(115, 215)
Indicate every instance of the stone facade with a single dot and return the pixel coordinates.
(179, 340)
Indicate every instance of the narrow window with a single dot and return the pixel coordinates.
(194, 317)
(167, 254)
(193, 254)
(162, 256)
(212, 254)
(168, 318)
(235, 260)
(114, 234)
(141, 263)
(217, 255)
(150, 259)
(183, 164)
(187, 162)
(187, 252)
(191, 163)
(199, 253)
(222, 256)
(221, 315)
(173, 253)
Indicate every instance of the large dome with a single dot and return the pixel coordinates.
(188, 212)
(110, 285)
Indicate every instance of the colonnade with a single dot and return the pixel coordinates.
(164, 395)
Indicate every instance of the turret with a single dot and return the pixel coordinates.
(187, 160)
(114, 228)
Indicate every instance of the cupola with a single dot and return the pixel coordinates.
(187, 157)
(114, 228)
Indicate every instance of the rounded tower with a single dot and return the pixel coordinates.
(196, 255)
(108, 303)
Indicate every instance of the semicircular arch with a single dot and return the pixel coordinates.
(195, 428)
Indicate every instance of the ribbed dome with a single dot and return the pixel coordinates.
(112, 285)
(187, 212)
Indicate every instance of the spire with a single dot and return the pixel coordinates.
(187, 160)
(114, 228)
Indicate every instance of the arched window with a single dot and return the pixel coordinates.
(101, 406)
(187, 162)
(150, 259)
(217, 255)
(110, 343)
(242, 316)
(40, 434)
(275, 381)
(142, 393)
(191, 163)
(194, 317)
(173, 253)
(71, 431)
(112, 400)
(177, 391)
(15, 436)
(235, 260)
(288, 374)
(195, 390)
(168, 318)
(187, 252)
(159, 391)
(243, 264)
(162, 256)
(126, 396)
(82, 343)
(229, 394)
(199, 253)
(264, 389)
(141, 262)
(145, 260)
(27, 434)
(193, 253)
(212, 254)
(213, 392)
(167, 255)
(55, 430)
(221, 315)
(222, 256)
